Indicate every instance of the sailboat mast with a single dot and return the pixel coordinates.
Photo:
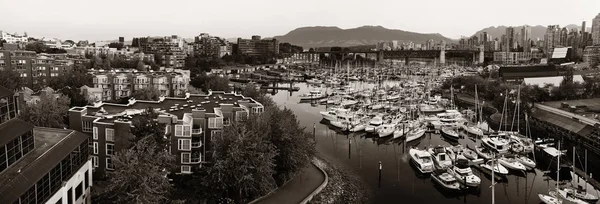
(518, 109)
(558, 167)
(493, 179)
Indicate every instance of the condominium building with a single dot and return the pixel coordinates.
(257, 46)
(591, 55)
(42, 165)
(117, 84)
(204, 44)
(170, 48)
(13, 38)
(552, 38)
(596, 30)
(191, 123)
(516, 57)
(36, 70)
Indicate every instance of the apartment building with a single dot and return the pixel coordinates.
(36, 70)
(204, 44)
(13, 38)
(516, 57)
(117, 84)
(257, 46)
(191, 123)
(170, 48)
(42, 165)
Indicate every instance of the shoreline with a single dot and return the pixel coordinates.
(344, 186)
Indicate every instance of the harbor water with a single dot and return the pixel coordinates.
(400, 182)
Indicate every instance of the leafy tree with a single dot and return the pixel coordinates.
(11, 79)
(141, 66)
(244, 162)
(253, 92)
(311, 50)
(158, 59)
(2, 41)
(55, 51)
(106, 64)
(47, 112)
(146, 125)
(149, 93)
(211, 82)
(139, 175)
(36, 46)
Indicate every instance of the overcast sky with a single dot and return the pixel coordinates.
(108, 19)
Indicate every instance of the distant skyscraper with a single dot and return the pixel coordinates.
(596, 30)
(510, 38)
(526, 38)
(551, 38)
(564, 36)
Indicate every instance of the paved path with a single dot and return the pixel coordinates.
(298, 188)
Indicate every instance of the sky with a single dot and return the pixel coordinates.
(108, 19)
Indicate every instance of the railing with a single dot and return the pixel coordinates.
(196, 144)
(195, 161)
(197, 131)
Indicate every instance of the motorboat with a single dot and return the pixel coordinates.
(497, 143)
(581, 194)
(313, 95)
(463, 173)
(421, 159)
(427, 109)
(440, 158)
(333, 113)
(483, 152)
(386, 130)
(570, 198)
(522, 144)
(415, 134)
(526, 161)
(359, 127)
(549, 199)
(473, 130)
(450, 133)
(458, 152)
(443, 178)
(469, 153)
(400, 131)
(511, 163)
(374, 124)
(498, 168)
(314, 81)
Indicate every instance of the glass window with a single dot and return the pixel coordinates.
(110, 134)
(178, 130)
(110, 149)
(95, 133)
(185, 169)
(95, 147)
(87, 181)
(86, 126)
(109, 164)
(78, 191)
(70, 196)
(187, 130)
(185, 158)
(95, 161)
(185, 144)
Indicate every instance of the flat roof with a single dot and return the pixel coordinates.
(51, 146)
(13, 128)
(4, 92)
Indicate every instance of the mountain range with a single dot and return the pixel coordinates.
(321, 36)
(536, 31)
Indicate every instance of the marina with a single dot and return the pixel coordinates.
(362, 150)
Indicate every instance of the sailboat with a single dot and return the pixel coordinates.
(559, 196)
(580, 192)
(470, 128)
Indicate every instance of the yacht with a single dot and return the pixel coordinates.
(521, 143)
(446, 180)
(450, 133)
(483, 152)
(498, 168)
(497, 143)
(550, 199)
(421, 159)
(359, 127)
(333, 113)
(314, 81)
(374, 124)
(526, 161)
(313, 95)
(511, 163)
(581, 194)
(440, 158)
(386, 130)
(464, 174)
(401, 131)
(345, 122)
(415, 134)
(472, 129)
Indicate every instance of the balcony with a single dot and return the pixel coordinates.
(195, 160)
(196, 144)
(197, 131)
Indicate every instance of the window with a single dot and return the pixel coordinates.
(110, 149)
(241, 115)
(110, 134)
(215, 133)
(184, 144)
(187, 130)
(178, 130)
(109, 164)
(215, 122)
(86, 126)
(185, 158)
(226, 122)
(95, 133)
(95, 147)
(78, 191)
(95, 161)
(185, 169)
(70, 196)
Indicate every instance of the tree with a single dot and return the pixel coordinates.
(36, 46)
(146, 125)
(47, 112)
(311, 50)
(10, 79)
(243, 167)
(69, 83)
(106, 64)
(139, 175)
(141, 66)
(2, 41)
(149, 93)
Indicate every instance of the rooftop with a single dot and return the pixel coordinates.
(4, 92)
(175, 106)
(51, 146)
(12, 128)
(587, 108)
(554, 80)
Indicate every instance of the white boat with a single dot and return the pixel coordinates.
(314, 81)
(449, 133)
(431, 109)
(374, 124)
(431, 118)
(473, 130)
(483, 152)
(415, 134)
(521, 144)
(399, 132)
(511, 163)
(548, 199)
(526, 161)
(581, 194)
(446, 180)
(313, 95)
(569, 198)
(359, 127)
(422, 160)
(440, 158)
(332, 82)
(333, 113)
(468, 153)
(463, 173)
(497, 143)
(498, 169)
(386, 130)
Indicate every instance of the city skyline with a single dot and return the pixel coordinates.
(69, 19)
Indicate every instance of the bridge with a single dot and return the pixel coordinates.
(475, 56)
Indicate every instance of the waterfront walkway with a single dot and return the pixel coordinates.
(297, 189)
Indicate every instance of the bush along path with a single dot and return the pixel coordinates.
(344, 185)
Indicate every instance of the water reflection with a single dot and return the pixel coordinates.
(400, 181)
